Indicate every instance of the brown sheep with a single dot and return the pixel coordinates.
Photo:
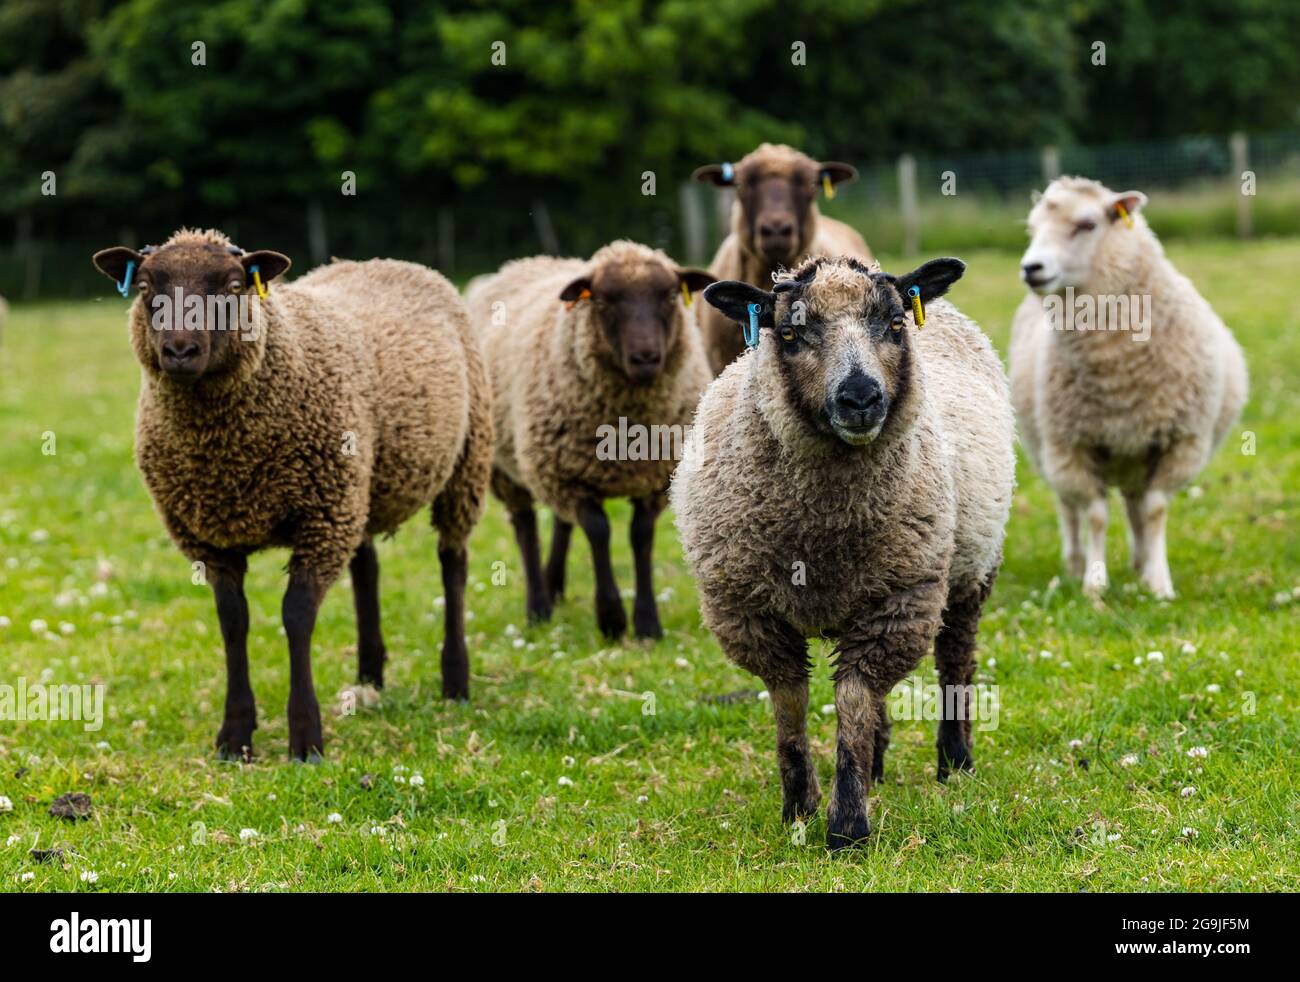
(775, 224)
(581, 353)
(849, 478)
(331, 411)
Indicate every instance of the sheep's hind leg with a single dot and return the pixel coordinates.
(298, 612)
(538, 598)
(1155, 562)
(1095, 579)
(1136, 529)
(561, 532)
(235, 739)
(455, 657)
(954, 656)
(883, 727)
(611, 618)
(371, 654)
(645, 613)
(1071, 548)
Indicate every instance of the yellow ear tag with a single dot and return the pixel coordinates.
(827, 186)
(1123, 213)
(918, 311)
(257, 281)
(686, 294)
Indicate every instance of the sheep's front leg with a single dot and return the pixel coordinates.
(1071, 546)
(298, 612)
(235, 739)
(611, 618)
(555, 565)
(371, 653)
(800, 793)
(870, 660)
(645, 613)
(455, 656)
(1155, 561)
(1095, 579)
(1136, 529)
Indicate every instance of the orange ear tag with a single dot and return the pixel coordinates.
(584, 295)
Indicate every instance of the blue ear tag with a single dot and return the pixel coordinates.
(728, 172)
(124, 287)
(751, 329)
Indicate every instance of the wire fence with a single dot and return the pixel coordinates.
(1200, 186)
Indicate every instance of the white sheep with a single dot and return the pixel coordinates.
(1121, 373)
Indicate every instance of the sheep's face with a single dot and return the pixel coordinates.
(1067, 227)
(776, 187)
(636, 307)
(843, 350)
(196, 297)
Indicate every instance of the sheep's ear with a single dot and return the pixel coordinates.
(933, 278)
(733, 298)
(269, 264)
(1131, 200)
(574, 291)
(695, 280)
(723, 175)
(837, 172)
(112, 262)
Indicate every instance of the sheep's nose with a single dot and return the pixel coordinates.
(858, 394)
(1029, 269)
(646, 356)
(776, 230)
(180, 351)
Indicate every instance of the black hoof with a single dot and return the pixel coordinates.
(647, 626)
(611, 618)
(848, 833)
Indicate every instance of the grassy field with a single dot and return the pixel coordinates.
(555, 777)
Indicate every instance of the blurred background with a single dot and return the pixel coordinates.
(473, 132)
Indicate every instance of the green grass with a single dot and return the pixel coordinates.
(686, 798)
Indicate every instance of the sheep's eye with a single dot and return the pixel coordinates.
(788, 333)
(235, 286)
(897, 323)
(1087, 225)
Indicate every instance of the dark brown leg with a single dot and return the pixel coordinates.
(235, 739)
(455, 658)
(883, 726)
(555, 565)
(538, 599)
(298, 611)
(855, 747)
(371, 653)
(645, 614)
(954, 655)
(799, 790)
(611, 618)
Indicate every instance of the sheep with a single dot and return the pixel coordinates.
(583, 354)
(850, 478)
(332, 410)
(775, 224)
(1121, 374)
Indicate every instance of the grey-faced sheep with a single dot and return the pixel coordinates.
(331, 411)
(775, 224)
(850, 478)
(1121, 373)
(578, 352)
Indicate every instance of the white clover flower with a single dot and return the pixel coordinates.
(39, 535)
(1045, 654)
(566, 782)
(1213, 687)
(567, 761)
(39, 626)
(5, 804)
(1190, 833)
(828, 709)
(89, 876)
(1189, 648)
(681, 663)
(334, 818)
(13, 840)
(27, 877)
(1199, 753)
(1113, 837)
(417, 780)
(246, 835)
(4, 621)
(1156, 656)
(1188, 791)
(640, 800)
(518, 643)
(1128, 760)
(1076, 744)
